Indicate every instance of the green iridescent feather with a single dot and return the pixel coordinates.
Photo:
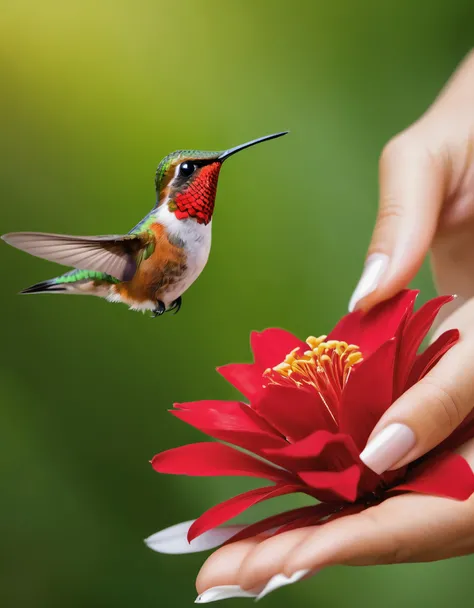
(84, 275)
(178, 156)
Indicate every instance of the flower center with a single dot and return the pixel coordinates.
(325, 367)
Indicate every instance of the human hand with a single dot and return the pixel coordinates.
(405, 528)
(426, 200)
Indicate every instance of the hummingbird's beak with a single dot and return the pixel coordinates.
(228, 153)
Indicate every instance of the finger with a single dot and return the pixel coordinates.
(222, 567)
(407, 528)
(452, 262)
(457, 95)
(411, 195)
(411, 527)
(267, 558)
(427, 413)
(459, 319)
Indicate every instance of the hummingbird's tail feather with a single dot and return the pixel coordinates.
(83, 282)
(44, 287)
(114, 255)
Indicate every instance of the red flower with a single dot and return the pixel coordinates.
(312, 408)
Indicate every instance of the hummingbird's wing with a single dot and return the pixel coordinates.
(114, 254)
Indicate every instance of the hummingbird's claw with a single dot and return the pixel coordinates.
(176, 305)
(159, 310)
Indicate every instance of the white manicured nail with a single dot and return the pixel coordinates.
(224, 592)
(388, 447)
(375, 266)
(280, 580)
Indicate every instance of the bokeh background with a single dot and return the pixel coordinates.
(93, 95)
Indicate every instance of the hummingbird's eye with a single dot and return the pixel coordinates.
(186, 169)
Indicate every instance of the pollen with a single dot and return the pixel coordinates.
(325, 367)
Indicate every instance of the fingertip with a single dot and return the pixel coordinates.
(268, 558)
(375, 266)
(378, 296)
(393, 276)
(411, 197)
(222, 567)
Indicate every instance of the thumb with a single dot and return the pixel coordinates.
(431, 409)
(411, 196)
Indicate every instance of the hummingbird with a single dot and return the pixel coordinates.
(154, 264)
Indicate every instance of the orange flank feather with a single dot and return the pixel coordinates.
(156, 274)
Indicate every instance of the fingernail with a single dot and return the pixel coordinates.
(388, 447)
(280, 580)
(224, 592)
(374, 268)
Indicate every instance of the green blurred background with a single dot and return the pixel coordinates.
(94, 94)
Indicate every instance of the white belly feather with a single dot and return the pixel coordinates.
(197, 245)
(196, 241)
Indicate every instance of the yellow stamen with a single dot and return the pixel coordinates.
(325, 367)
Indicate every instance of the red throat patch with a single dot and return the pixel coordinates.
(197, 200)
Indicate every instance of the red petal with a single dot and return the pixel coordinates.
(413, 335)
(334, 484)
(370, 330)
(246, 377)
(316, 521)
(347, 510)
(302, 522)
(271, 346)
(368, 394)
(281, 519)
(428, 359)
(348, 328)
(319, 451)
(390, 478)
(224, 511)
(213, 459)
(448, 475)
(294, 412)
(230, 421)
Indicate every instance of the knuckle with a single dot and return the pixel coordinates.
(405, 144)
(393, 548)
(392, 149)
(398, 553)
(446, 403)
(388, 217)
(390, 209)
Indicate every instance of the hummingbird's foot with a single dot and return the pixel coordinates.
(176, 305)
(159, 310)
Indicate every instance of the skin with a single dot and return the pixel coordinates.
(426, 206)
